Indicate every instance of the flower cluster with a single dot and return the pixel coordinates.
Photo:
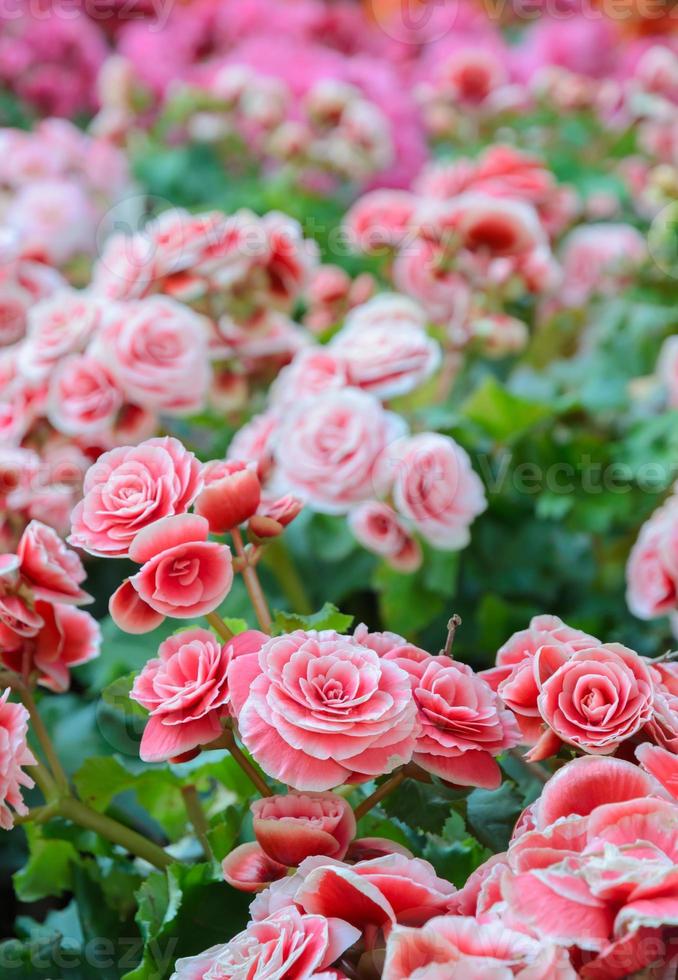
(583, 890)
(57, 185)
(566, 687)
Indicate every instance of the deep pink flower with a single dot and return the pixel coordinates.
(186, 692)
(461, 948)
(299, 825)
(14, 753)
(380, 892)
(52, 571)
(380, 220)
(596, 698)
(129, 488)
(315, 709)
(231, 494)
(463, 723)
(287, 943)
(183, 574)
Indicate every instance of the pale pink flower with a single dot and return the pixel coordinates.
(661, 764)
(379, 529)
(651, 571)
(83, 398)
(185, 691)
(286, 703)
(254, 442)
(156, 349)
(461, 948)
(299, 825)
(433, 485)
(129, 488)
(58, 326)
(326, 450)
(54, 220)
(52, 571)
(667, 369)
(385, 348)
(313, 371)
(287, 943)
(14, 753)
(599, 259)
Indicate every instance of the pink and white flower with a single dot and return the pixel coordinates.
(14, 753)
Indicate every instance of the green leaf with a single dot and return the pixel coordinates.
(117, 696)
(455, 860)
(224, 830)
(327, 618)
(492, 814)
(183, 912)
(500, 413)
(49, 870)
(421, 806)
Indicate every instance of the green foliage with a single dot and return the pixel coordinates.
(183, 912)
(49, 870)
(327, 618)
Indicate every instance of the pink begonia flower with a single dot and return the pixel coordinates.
(595, 698)
(378, 893)
(129, 488)
(84, 398)
(667, 369)
(433, 485)
(250, 869)
(380, 220)
(183, 575)
(51, 570)
(60, 325)
(14, 753)
(313, 371)
(288, 943)
(661, 764)
(69, 637)
(326, 451)
(601, 878)
(385, 352)
(254, 442)
(156, 350)
(185, 690)
(421, 272)
(379, 529)
(599, 259)
(231, 494)
(464, 725)
(299, 825)
(317, 708)
(54, 220)
(460, 948)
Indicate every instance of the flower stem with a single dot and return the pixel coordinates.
(111, 830)
(196, 815)
(380, 794)
(250, 771)
(219, 626)
(252, 583)
(278, 559)
(57, 771)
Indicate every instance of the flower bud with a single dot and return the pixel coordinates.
(293, 827)
(231, 495)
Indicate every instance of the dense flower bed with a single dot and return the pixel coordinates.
(338, 378)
